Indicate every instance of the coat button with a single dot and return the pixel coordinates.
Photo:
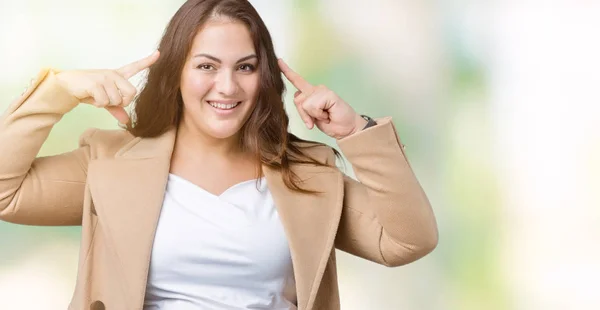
(97, 305)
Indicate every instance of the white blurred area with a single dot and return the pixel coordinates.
(545, 94)
(44, 280)
(542, 65)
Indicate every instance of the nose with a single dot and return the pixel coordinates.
(226, 83)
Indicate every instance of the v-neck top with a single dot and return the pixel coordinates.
(219, 252)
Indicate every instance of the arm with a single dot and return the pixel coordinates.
(50, 190)
(386, 217)
(46, 190)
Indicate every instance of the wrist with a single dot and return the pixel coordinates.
(370, 122)
(359, 124)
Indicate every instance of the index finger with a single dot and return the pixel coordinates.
(135, 67)
(298, 81)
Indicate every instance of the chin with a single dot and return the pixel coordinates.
(223, 134)
(223, 130)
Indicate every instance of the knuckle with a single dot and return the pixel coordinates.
(118, 72)
(102, 102)
(97, 84)
(127, 96)
(103, 78)
(130, 92)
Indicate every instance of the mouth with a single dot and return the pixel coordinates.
(224, 106)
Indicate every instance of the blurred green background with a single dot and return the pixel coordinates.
(497, 102)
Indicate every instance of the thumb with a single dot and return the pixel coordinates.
(323, 116)
(119, 113)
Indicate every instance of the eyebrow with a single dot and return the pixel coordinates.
(219, 60)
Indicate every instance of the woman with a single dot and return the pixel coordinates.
(170, 216)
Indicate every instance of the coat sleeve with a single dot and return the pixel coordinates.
(40, 190)
(386, 217)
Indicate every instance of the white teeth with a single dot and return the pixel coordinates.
(224, 106)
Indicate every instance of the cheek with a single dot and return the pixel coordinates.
(250, 86)
(195, 85)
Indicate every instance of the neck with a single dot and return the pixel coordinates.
(194, 141)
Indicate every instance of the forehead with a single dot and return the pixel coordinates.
(224, 39)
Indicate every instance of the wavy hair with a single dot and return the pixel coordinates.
(159, 105)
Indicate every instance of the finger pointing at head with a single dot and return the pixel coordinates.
(298, 81)
(135, 67)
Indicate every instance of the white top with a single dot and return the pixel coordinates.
(219, 252)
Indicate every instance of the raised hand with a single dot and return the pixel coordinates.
(109, 89)
(320, 106)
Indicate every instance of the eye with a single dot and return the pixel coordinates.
(247, 68)
(206, 67)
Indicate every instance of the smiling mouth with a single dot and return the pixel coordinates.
(224, 106)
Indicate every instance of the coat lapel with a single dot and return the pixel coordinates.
(310, 223)
(128, 192)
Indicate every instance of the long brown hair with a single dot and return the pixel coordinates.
(159, 105)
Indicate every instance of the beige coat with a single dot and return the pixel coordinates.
(113, 185)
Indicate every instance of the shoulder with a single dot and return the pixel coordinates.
(105, 142)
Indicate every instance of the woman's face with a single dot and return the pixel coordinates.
(220, 79)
